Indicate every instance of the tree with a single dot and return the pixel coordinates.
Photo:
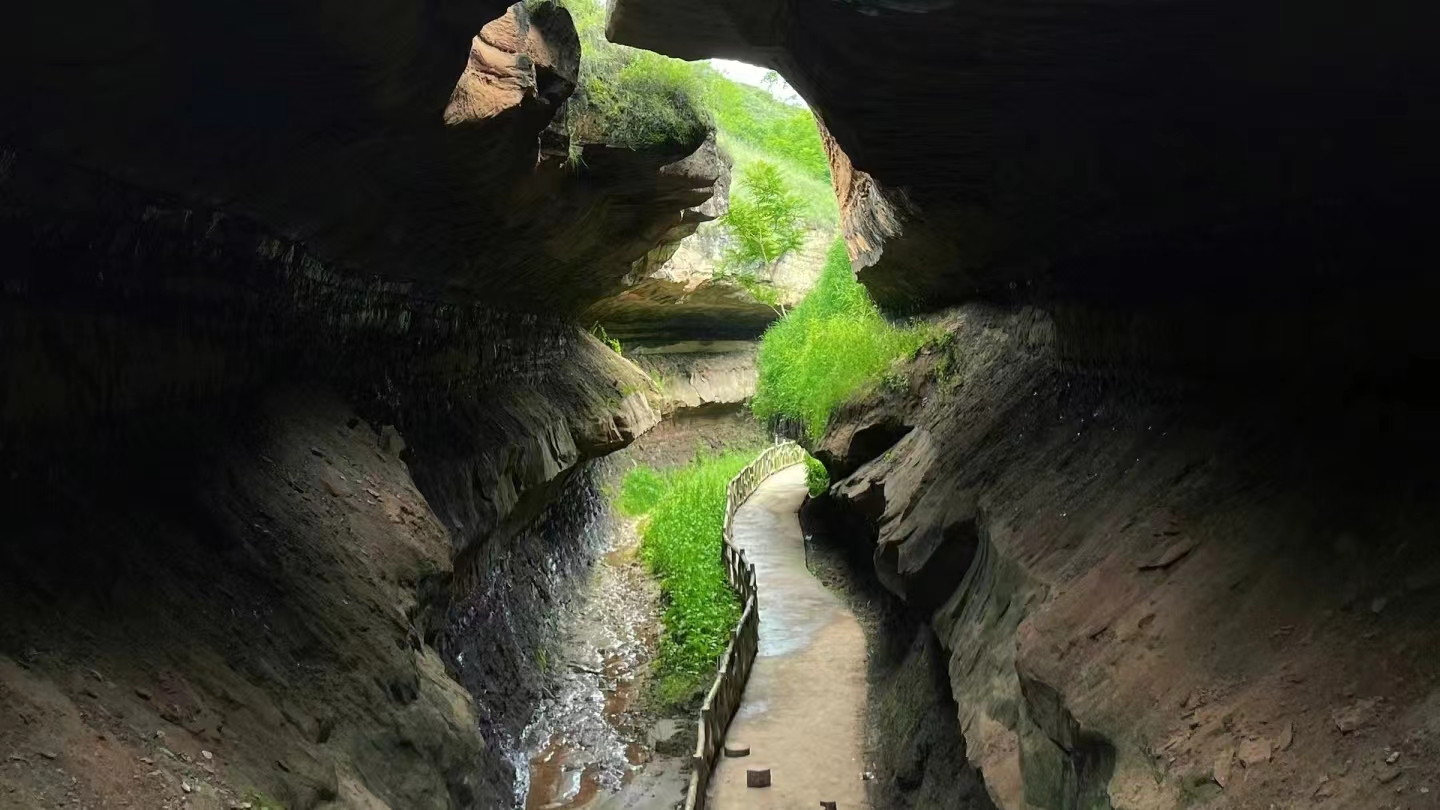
(764, 220)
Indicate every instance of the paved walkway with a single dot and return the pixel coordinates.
(802, 714)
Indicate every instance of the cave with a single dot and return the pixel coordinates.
(327, 331)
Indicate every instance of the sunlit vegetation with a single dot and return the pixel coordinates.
(680, 538)
(764, 218)
(629, 97)
(831, 347)
(817, 478)
(754, 126)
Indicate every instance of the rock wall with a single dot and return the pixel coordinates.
(288, 375)
(689, 295)
(700, 375)
(216, 545)
(397, 142)
(1151, 598)
(1072, 148)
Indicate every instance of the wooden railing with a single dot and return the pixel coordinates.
(723, 699)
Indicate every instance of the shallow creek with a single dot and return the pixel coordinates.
(587, 739)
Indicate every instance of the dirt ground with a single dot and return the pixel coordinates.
(221, 618)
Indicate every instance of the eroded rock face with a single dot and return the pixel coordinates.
(1144, 166)
(684, 291)
(261, 566)
(365, 133)
(705, 375)
(1136, 582)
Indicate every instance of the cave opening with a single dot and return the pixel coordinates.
(395, 397)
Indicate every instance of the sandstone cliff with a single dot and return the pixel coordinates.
(1147, 600)
(287, 378)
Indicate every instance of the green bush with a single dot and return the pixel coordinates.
(680, 543)
(629, 97)
(830, 347)
(817, 478)
(764, 219)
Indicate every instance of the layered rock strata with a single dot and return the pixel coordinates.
(1147, 600)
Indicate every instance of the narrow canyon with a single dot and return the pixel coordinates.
(339, 342)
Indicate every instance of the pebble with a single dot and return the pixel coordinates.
(1354, 716)
(1254, 752)
(1223, 764)
(1287, 737)
(207, 755)
(142, 693)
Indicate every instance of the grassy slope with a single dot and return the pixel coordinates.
(831, 347)
(684, 513)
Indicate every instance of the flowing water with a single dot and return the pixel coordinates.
(587, 738)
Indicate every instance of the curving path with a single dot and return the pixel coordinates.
(802, 713)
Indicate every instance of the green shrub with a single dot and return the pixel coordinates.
(680, 543)
(830, 347)
(599, 333)
(817, 478)
(764, 218)
(629, 97)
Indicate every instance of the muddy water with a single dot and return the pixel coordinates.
(586, 739)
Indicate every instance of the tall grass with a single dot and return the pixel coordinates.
(680, 543)
(829, 348)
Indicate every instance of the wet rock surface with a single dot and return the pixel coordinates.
(589, 737)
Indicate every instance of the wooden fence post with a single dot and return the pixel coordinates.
(723, 699)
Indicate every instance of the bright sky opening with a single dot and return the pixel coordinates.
(755, 76)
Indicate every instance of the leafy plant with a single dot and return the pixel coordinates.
(259, 801)
(629, 97)
(604, 337)
(680, 543)
(830, 347)
(817, 478)
(764, 218)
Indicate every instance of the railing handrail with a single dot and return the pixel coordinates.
(723, 699)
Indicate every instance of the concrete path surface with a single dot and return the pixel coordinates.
(802, 714)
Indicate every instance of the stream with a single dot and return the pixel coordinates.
(587, 738)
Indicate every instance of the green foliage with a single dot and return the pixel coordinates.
(629, 97)
(817, 478)
(754, 117)
(604, 337)
(764, 218)
(833, 345)
(680, 543)
(642, 489)
(259, 801)
(635, 98)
